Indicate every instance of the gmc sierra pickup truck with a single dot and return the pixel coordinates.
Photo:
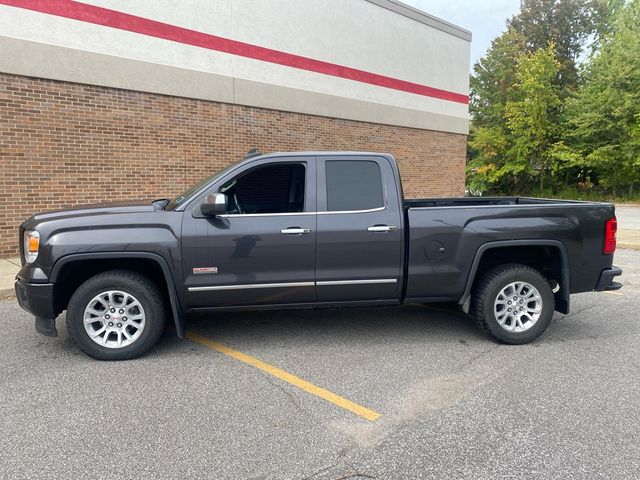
(308, 230)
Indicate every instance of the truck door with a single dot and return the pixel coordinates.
(359, 249)
(262, 251)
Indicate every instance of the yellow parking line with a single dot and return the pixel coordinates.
(287, 377)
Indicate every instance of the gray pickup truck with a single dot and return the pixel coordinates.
(308, 230)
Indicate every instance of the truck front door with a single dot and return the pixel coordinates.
(262, 251)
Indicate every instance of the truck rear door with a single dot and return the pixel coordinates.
(359, 249)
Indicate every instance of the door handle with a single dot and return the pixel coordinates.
(295, 231)
(382, 228)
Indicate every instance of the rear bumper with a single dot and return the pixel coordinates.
(606, 281)
(37, 299)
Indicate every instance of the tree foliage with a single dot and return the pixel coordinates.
(544, 110)
(603, 118)
(533, 117)
(493, 86)
(567, 24)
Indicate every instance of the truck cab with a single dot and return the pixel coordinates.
(296, 230)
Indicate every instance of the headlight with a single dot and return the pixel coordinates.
(31, 245)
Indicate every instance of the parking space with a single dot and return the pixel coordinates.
(451, 403)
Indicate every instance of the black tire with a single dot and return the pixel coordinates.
(140, 287)
(486, 292)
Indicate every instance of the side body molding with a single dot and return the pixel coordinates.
(177, 311)
(562, 297)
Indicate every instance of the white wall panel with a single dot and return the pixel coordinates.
(353, 33)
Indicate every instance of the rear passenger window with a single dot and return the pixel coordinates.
(353, 185)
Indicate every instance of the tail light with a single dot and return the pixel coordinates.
(610, 229)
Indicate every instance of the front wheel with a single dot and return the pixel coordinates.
(513, 303)
(116, 315)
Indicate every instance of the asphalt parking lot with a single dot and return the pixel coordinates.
(443, 401)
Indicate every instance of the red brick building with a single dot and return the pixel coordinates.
(113, 100)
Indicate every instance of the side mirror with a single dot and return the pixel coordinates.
(214, 204)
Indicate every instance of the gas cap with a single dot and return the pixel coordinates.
(434, 250)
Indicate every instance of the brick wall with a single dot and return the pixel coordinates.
(64, 144)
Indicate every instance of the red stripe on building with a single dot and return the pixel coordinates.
(145, 26)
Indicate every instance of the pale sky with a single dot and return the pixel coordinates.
(485, 19)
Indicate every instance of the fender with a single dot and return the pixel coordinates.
(177, 311)
(563, 295)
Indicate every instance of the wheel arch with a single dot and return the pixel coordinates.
(515, 251)
(70, 271)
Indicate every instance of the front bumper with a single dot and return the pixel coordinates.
(37, 299)
(606, 280)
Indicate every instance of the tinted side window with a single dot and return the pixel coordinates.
(353, 185)
(275, 188)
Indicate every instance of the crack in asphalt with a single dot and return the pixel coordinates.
(289, 395)
(322, 470)
(353, 474)
(335, 463)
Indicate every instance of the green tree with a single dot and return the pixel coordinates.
(498, 157)
(603, 119)
(533, 118)
(493, 85)
(493, 82)
(605, 21)
(568, 24)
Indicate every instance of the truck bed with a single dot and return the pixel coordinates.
(445, 236)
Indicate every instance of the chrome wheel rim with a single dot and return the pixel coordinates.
(518, 307)
(114, 319)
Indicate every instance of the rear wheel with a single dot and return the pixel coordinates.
(116, 315)
(513, 303)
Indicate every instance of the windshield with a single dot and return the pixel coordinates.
(196, 188)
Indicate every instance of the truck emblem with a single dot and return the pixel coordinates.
(203, 270)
